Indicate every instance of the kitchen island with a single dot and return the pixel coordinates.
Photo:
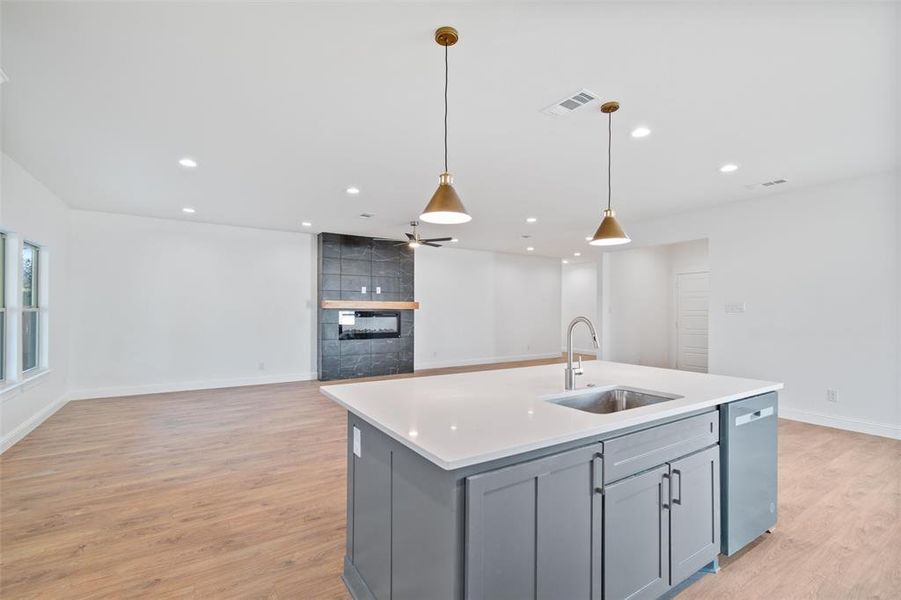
(498, 484)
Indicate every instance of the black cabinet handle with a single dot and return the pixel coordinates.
(679, 473)
(669, 493)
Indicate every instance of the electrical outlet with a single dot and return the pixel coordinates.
(831, 395)
(261, 366)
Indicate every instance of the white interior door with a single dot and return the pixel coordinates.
(692, 304)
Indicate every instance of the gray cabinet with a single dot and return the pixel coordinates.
(532, 528)
(636, 536)
(695, 512)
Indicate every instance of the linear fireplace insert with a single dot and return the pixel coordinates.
(368, 324)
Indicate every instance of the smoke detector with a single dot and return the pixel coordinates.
(566, 105)
(766, 184)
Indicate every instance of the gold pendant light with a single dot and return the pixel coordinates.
(609, 232)
(445, 207)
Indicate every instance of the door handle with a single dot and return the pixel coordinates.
(679, 473)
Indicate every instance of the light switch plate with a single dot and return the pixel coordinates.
(363, 290)
(735, 308)
(378, 289)
(358, 445)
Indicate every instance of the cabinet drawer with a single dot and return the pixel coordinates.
(636, 452)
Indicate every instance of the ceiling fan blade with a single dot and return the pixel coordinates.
(447, 239)
(386, 239)
(410, 236)
(426, 243)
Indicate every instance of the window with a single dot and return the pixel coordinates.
(30, 309)
(2, 307)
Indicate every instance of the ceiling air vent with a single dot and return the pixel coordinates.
(766, 184)
(570, 103)
(366, 215)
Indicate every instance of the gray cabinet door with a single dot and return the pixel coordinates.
(695, 512)
(529, 528)
(636, 536)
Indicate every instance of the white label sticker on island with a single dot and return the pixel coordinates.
(358, 446)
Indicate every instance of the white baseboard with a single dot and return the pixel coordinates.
(586, 351)
(468, 362)
(28, 426)
(847, 423)
(186, 386)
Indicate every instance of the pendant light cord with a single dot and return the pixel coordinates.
(609, 155)
(445, 108)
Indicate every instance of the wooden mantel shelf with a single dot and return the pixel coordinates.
(370, 304)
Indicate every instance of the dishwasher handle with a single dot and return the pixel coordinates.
(754, 416)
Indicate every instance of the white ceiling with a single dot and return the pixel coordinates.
(285, 105)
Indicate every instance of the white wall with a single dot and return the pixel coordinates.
(818, 270)
(165, 305)
(579, 297)
(636, 320)
(638, 324)
(32, 212)
(480, 307)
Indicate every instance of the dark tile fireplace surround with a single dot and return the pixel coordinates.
(347, 265)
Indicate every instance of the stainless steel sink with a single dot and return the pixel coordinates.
(610, 400)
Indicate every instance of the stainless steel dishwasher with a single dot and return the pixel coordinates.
(748, 430)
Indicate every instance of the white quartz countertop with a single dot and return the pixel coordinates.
(469, 418)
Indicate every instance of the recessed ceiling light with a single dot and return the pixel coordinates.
(454, 240)
(531, 220)
(728, 168)
(413, 433)
(565, 262)
(353, 191)
(188, 163)
(530, 249)
(188, 210)
(307, 224)
(640, 132)
(577, 254)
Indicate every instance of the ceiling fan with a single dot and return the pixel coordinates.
(414, 240)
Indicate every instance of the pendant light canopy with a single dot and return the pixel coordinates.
(445, 207)
(609, 232)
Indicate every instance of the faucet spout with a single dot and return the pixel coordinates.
(570, 372)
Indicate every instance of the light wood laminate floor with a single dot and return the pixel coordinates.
(239, 493)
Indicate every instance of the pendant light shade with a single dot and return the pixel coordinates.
(445, 207)
(609, 232)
